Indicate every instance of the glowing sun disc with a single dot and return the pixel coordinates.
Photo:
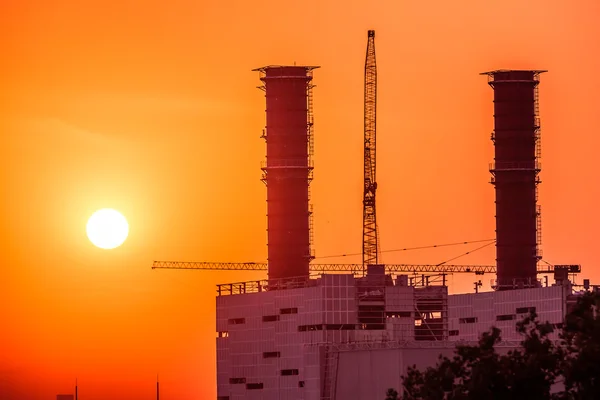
(107, 228)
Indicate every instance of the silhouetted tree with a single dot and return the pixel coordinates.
(391, 394)
(479, 372)
(529, 372)
(581, 350)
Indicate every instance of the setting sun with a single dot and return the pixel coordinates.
(107, 228)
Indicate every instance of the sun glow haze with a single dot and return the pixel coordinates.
(151, 107)
(107, 229)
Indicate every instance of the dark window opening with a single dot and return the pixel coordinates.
(340, 327)
(372, 317)
(288, 372)
(222, 397)
(304, 328)
(453, 333)
(270, 318)
(525, 310)
(300, 383)
(506, 317)
(235, 381)
(399, 314)
(237, 321)
(250, 386)
(271, 354)
(293, 310)
(470, 320)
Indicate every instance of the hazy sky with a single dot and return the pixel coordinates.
(150, 107)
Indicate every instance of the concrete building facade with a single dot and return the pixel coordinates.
(311, 340)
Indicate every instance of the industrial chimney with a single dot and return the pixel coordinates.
(515, 175)
(287, 171)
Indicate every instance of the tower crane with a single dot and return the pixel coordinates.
(370, 248)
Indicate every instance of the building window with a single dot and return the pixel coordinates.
(222, 397)
(288, 372)
(304, 328)
(506, 317)
(399, 314)
(293, 310)
(300, 383)
(251, 386)
(235, 381)
(270, 318)
(340, 327)
(271, 354)
(223, 334)
(525, 310)
(237, 321)
(453, 333)
(470, 320)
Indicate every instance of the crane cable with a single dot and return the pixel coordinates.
(420, 248)
(468, 252)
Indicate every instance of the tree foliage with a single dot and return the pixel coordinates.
(539, 369)
(391, 394)
(580, 340)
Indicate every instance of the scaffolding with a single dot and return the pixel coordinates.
(311, 150)
(431, 313)
(370, 298)
(538, 155)
(330, 369)
(310, 121)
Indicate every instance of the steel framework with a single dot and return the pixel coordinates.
(370, 244)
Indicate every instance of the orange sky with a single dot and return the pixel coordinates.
(150, 107)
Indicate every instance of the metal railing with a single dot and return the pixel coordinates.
(287, 163)
(515, 166)
(264, 285)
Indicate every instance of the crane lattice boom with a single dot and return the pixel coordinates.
(370, 247)
(324, 268)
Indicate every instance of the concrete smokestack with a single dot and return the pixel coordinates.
(287, 171)
(515, 175)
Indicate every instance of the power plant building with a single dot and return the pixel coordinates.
(290, 342)
(340, 336)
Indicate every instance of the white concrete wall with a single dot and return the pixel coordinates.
(549, 303)
(368, 374)
(240, 354)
